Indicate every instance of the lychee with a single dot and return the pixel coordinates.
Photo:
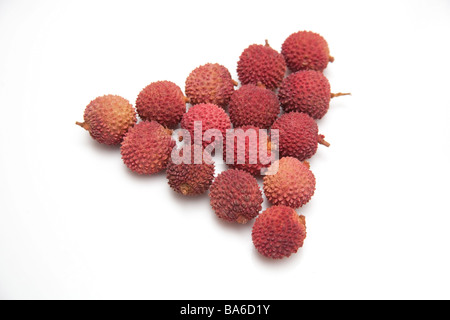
(306, 50)
(146, 147)
(261, 64)
(163, 102)
(210, 83)
(210, 116)
(278, 232)
(253, 105)
(244, 154)
(298, 135)
(235, 196)
(108, 118)
(289, 182)
(308, 92)
(194, 177)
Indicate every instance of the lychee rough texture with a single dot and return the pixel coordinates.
(192, 178)
(278, 232)
(292, 183)
(306, 91)
(108, 118)
(298, 135)
(210, 116)
(249, 159)
(147, 147)
(260, 64)
(306, 50)
(235, 196)
(163, 102)
(253, 105)
(210, 83)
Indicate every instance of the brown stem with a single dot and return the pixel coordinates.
(242, 220)
(260, 84)
(184, 188)
(187, 100)
(168, 131)
(267, 43)
(84, 125)
(334, 95)
(235, 83)
(330, 58)
(322, 140)
(302, 219)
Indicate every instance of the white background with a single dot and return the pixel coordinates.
(76, 223)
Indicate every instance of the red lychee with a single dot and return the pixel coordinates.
(108, 118)
(306, 50)
(253, 105)
(245, 154)
(278, 232)
(308, 92)
(289, 182)
(235, 196)
(191, 178)
(298, 135)
(146, 147)
(163, 102)
(210, 83)
(261, 64)
(209, 116)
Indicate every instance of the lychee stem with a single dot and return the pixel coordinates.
(84, 125)
(334, 95)
(242, 220)
(184, 188)
(235, 83)
(302, 219)
(187, 100)
(323, 141)
(330, 58)
(168, 131)
(267, 43)
(260, 84)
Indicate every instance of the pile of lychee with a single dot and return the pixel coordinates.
(285, 91)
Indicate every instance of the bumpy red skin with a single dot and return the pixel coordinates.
(235, 196)
(254, 106)
(292, 185)
(250, 145)
(211, 117)
(306, 50)
(306, 91)
(163, 102)
(191, 179)
(146, 147)
(298, 135)
(261, 64)
(278, 232)
(210, 83)
(108, 118)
